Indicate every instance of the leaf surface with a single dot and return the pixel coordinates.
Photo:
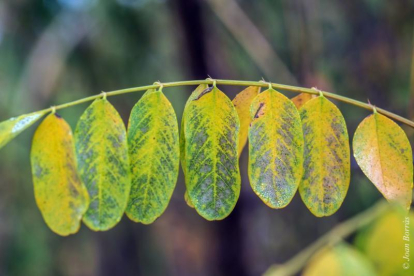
(102, 155)
(60, 195)
(242, 104)
(301, 99)
(196, 93)
(383, 151)
(11, 128)
(155, 156)
(188, 200)
(275, 148)
(211, 152)
(326, 173)
(341, 260)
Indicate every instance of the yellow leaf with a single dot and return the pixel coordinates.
(11, 128)
(341, 260)
(275, 148)
(212, 173)
(188, 200)
(59, 192)
(383, 152)
(242, 104)
(102, 154)
(302, 98)
(389, 243)
(326, 164)
(155, 156)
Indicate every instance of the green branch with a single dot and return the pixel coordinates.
(242, 83)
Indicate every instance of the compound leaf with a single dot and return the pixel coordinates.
(275, 148)
(155, 156)
(242, 104)
(211, 150)
(326, 173)
(60, 195)
(11, 128)
(102, 154)
(383, 152)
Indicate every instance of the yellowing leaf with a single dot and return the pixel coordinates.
(212, 173)
(102, 154)
(275, 148)
(389, 242)
(383, 152)
(188, 200)
(341, 260)
(11, 128)
(196, 93)
(242, 104)
(155, 156)
(59, 192)
(302, 98)
(326, 164)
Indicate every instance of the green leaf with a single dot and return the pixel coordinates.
(384, 153)
(59, 192)
(155, 156)
(275, 148)
(341, 260)
(11, 128)
(102, 154)
(242, 104)
(326, 173)
(196, 93)
(389, 241)
(211, 150)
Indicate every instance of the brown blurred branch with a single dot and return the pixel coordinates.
(251, 39)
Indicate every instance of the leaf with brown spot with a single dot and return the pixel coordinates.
(383, 152)
(275, 148)
(242, 104)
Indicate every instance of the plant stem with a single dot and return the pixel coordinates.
(341, 231)
(244, 83)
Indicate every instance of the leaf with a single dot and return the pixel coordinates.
(188, 200)
(326, 173)
(212, 173)
(11, 128)
(383, 152)
(60, 195)
(341, 260)
(389, 241)
(242, 104)
(196, 93)
(102, 154)
(301, 99)
(155, 156)
(275, 148)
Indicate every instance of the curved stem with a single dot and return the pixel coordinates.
(243, 83)
(341, 231)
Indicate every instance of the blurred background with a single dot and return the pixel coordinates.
(55, 51)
